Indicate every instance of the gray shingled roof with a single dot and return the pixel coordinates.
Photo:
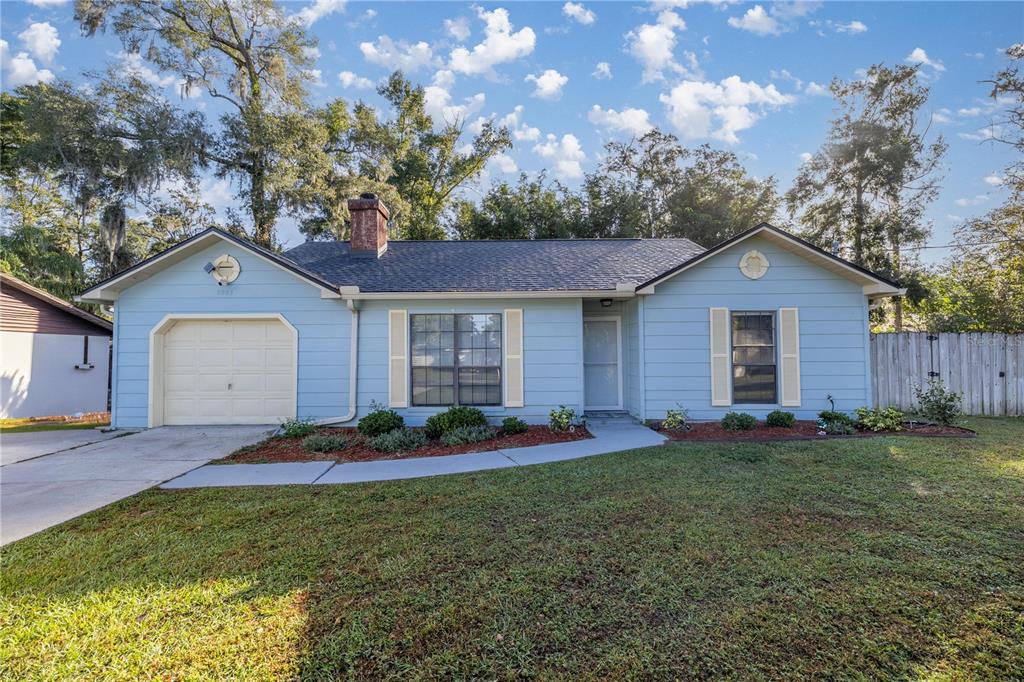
(512, 265)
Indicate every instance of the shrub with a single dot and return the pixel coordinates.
(675, 419)
(323, 442)
(468, 434)
(937, 404)
(780, 419)
(380, 421)
(455, 417)
(561, 419)
(513, 425)
(296, 428)
(835, 423)
(739, 421)
(399, 440)
(880, 418)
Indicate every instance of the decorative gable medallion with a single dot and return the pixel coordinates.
(753, 264)
(224, 270)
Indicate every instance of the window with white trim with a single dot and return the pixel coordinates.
(456, 359)
(753, 357)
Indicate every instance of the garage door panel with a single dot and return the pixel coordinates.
(202, 358)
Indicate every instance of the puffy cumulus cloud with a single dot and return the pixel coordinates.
(757, 20)
(853, 28)
(41, 40)
(972, 201)
(19, 69)
(942, 115)
(969, 111)
(805, 157)
(578, 13)
(318, 9)
(520, 130)
(719, 110)
(504, 163)
(48, 3)
(653, 45)
(457, 28)
(397, 54)
(547, 85)
(437, 100)
(351, 80)
(919, 56)
(982, 134)
(603, 71)
(630, 120)
(500, 45)
(994, 180)
(565, 155)
(316, 77)
(815, 90)
(133, 64)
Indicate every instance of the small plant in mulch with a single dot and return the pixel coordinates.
(379, 421)
(879, 418)
(510, 426)
(835, 423)
(939, 405)
(399, 440)
(296, 428)
(779, 419)
(469, 434)
(739, 421)
(676, 419)
(455, 417)
(323, 442)
(562, 419)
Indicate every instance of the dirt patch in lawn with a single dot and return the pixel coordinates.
(282, 449)
(712, 432)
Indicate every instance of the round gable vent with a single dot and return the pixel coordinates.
(753, 264)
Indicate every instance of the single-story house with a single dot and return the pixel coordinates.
(54, 357)
(219, 330)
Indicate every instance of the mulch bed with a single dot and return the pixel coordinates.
(712, 432)
(281, 449)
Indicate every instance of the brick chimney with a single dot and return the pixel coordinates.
(369, 221)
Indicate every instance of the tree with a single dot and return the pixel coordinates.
(531, 209)
(248, 55)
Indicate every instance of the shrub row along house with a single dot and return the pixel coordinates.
(217, 330)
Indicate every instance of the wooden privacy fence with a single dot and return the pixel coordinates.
(986, 369)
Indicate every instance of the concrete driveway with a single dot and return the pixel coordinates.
(50, 489)
(17, 447)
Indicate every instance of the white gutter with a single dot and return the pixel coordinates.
(352, 368)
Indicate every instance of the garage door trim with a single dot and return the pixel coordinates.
(156, 355)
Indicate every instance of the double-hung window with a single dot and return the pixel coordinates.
(753, 357)
(456, 359)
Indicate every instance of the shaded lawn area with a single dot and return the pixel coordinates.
(888, 557)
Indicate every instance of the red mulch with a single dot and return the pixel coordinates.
(802, 430)
(280, 449)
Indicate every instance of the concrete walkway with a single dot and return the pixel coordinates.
(608, 437)
(17, 447)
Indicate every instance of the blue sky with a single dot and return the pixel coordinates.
(567, 77)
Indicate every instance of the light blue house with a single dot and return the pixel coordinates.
(217, 330)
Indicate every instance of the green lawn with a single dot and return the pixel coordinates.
(21, 426)
(876, 558)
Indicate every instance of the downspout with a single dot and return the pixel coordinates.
(353, 306)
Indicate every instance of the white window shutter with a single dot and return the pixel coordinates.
(789, 357)
(514, 357)
(721, 367)
(398, 355)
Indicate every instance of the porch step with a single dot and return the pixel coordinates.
(609, 417)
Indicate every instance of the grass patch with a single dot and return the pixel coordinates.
(18, 426)
(892, 557)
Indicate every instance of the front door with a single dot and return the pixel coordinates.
(602, 363)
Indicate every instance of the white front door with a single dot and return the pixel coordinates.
(602, 363)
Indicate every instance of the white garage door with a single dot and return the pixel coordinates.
(228, 372)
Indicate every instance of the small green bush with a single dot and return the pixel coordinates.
(739, 421)
(379, 421)
(469, 434)
(937, 404)
(880, 418)
(455, 417)
(675, 419)
(780, 420)
(514, 425)
(296, 428)
(561, 419)
(835, 423)
(399, 440)
(324, 442)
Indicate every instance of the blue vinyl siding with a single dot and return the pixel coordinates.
(833, 332)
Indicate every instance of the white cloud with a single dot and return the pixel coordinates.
(133, 64)
(720, 110)
(982, 134)
(520, 131)
(919, 56)
(20, 69)
(316, 77)
(942, 115)
(972, 111)
(577, 12)
(41, 40)
(854, 27)
(805, 157)
(318, 10)
(504, 163)
(994, 180)
(312, 53)
(757, 20)
(972, 201)
(975, 55)
(603, 71)
(48, 3)
(500, 45)
(437, 100)
(635, 121)
(548, 85)
(351, 80)
(653, 45)
(815, 90)
(566, 155)
(397, 54)
(457, 28)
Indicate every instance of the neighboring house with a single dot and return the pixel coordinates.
(217, 330)
(54, 357)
